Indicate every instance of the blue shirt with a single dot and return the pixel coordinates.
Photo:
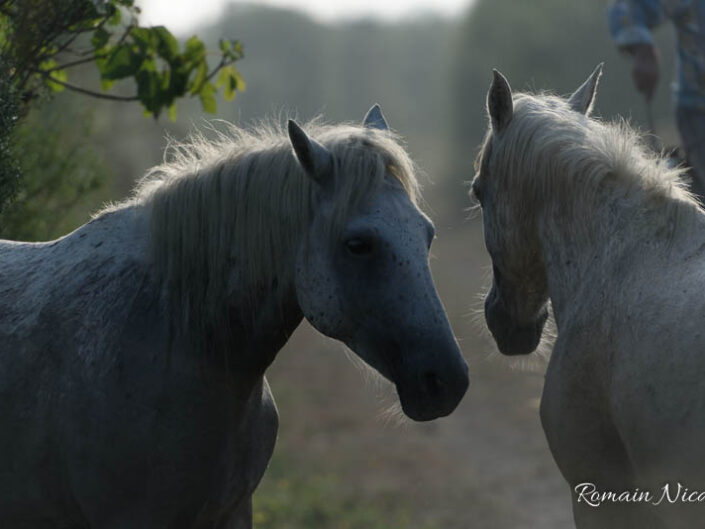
(631, 22)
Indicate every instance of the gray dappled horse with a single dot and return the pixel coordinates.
(580, 212)
(133, 350)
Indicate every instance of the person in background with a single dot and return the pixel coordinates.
(630, 23)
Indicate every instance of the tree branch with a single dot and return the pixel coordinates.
(62, 47)
(85, 91)
(76, 62)
(223, 62)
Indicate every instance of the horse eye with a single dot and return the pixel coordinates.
(359, 247)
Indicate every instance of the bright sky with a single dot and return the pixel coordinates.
(181, 16)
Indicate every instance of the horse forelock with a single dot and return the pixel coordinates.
(240, 201)
(549, 152)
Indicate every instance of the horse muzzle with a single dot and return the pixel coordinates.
(512, 338)
(434, 390)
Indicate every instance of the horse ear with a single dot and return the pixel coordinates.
(315, 159)
(499, 102)
(374, 119)
(584, 97)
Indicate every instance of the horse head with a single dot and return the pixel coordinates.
(516, 307)
(367, 280)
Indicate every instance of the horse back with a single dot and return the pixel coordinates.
(60, 301)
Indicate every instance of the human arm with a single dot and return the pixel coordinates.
(630, 24)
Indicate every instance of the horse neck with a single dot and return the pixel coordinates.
(249, 322)
(592, 252)
(264, 309)
(268, 323)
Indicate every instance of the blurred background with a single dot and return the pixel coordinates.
(340, 461)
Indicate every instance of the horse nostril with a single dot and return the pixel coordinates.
(433, 383)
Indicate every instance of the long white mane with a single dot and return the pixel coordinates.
(552, 153)
(240, 202)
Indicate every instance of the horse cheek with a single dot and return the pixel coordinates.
(319, 297)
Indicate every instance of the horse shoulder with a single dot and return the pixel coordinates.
(626, 386)
(657, 375)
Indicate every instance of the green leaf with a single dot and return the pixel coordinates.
(229, 78)
(148, 90)
(236, 51)
(207, 96)
(168, 46)
(231, 49)
(172, 112)
(121, 63)
(59, 75)
(115, 18)
(195, 50)
(223, 77)
(149, 64)
(201, 74)
(145, 38)
(165, 81)
(178, 82)
(47, 65)
(85, 21)
(100, 38)
(147, 85)
(239, 81)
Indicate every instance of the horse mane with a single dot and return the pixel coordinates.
(549, 150)
(227, 213)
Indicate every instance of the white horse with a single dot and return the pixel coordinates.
(133, 351)
(578, 212)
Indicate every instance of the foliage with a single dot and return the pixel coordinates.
(9, 170)
(41, 41)
(63, 176)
